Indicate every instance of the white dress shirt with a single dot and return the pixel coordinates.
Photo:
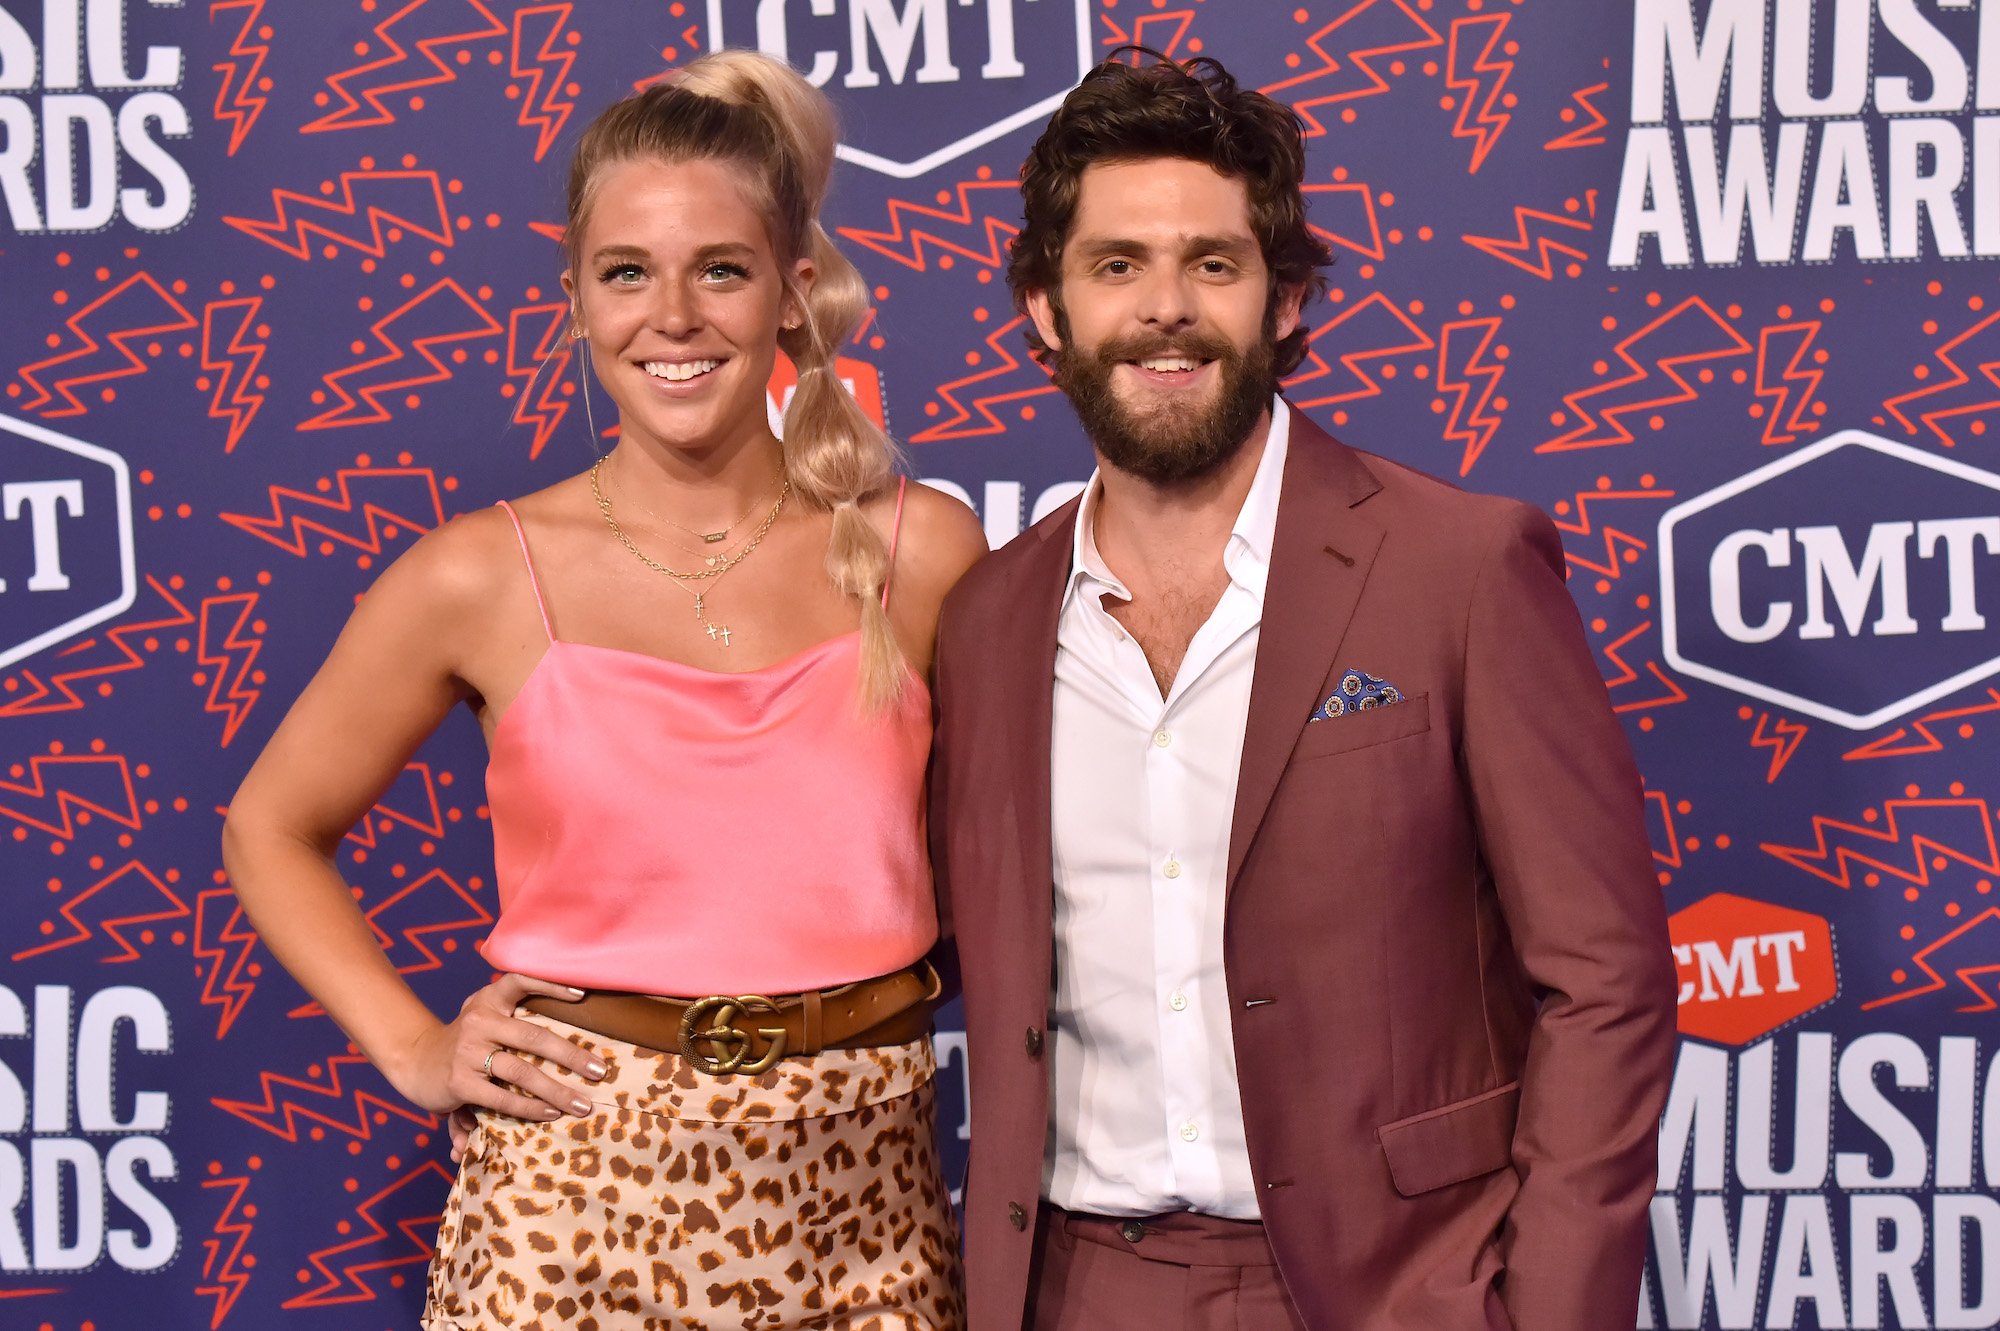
(1145, 1115)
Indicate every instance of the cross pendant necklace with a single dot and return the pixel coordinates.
(716, 632)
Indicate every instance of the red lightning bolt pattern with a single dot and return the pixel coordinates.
(222, 955)
(445, 302)
(1795, 376)
(234, 366)
(237, 101)
(399, 71)
(225, 1280)
(966, 207)
(1478, 118)
(1460, 372)
(115, 892)
(1685, 336)
(411, 200)
(58, 693)
(546, 101)
(1400, 29)
(383, 498)
(1383, 331)
(1980, 398)
(138, 308)
(1968, 822)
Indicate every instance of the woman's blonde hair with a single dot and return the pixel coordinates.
(756, 112)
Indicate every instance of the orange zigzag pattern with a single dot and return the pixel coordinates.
(57, 693)
(1414, 35)
(1983, 854)
(226, 1280)
(289, 1100)
(1485, 125)
(168, 316)
(371, 74)
(237, 100)
(905, 240)
(122, 882)
(53, 778)
(298, 513)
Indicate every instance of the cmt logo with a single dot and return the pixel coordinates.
(1853, 581)
(895, 66)
(65, 537)
(1748, 967)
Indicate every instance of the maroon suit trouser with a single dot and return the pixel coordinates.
(1179, 1272)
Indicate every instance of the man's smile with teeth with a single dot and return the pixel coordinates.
(679, 371)
(1167, 364)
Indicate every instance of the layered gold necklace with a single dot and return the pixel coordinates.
(714, 565)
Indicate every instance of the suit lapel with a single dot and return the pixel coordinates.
(1024, 662)
(1320, 557)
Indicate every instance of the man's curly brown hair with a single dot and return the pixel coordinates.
(1192, 110)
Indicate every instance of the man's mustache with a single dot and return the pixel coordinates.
(1197, 346)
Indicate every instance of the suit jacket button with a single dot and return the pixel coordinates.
(1034, 1042)
(1016, 1216)
(1132, 1231)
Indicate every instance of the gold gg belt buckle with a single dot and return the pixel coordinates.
(729, 1046)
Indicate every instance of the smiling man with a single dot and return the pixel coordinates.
(1315, 972)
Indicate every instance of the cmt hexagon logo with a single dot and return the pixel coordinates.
(65, 537)
(1748, 967)
(1853, 581)
(963, 72)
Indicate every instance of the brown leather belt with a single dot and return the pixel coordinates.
(721, 1034)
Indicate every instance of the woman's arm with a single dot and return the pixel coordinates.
(398, 667)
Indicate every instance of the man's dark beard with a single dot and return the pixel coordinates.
(1173, 445)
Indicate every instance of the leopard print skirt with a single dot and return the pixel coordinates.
(808, 1195)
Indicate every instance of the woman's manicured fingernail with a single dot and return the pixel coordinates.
(594, 1069)
(579, 1107)
(576, 991)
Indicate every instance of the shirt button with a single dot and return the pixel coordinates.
(1162, 738)
(1016, 1217)
(1178, 1002)
(1172, 869)
(1189, 1132)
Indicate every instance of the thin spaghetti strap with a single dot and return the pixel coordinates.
(895, 534)
(534, 583)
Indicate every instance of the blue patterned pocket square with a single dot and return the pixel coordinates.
(1358, 692)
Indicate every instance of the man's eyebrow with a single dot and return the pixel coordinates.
(1227, 247)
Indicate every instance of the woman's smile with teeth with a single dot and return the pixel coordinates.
(679, 371)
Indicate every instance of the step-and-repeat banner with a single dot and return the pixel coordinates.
(1711, 281)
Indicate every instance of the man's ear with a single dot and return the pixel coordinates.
(1042, 311)
(1285, 318)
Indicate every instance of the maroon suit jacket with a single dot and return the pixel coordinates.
(1446, 951)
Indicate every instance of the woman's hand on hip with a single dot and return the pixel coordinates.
(475, 1061)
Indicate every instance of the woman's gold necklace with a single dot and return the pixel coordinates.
(711, 559)
(717, 567)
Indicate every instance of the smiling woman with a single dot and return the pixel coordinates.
(704, 708)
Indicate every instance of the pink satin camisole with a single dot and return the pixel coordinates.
(666, 829)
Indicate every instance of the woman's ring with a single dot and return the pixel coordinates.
(486, 1068)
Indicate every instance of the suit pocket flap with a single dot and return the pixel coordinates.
(1452, 1143)
(1359, 730)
